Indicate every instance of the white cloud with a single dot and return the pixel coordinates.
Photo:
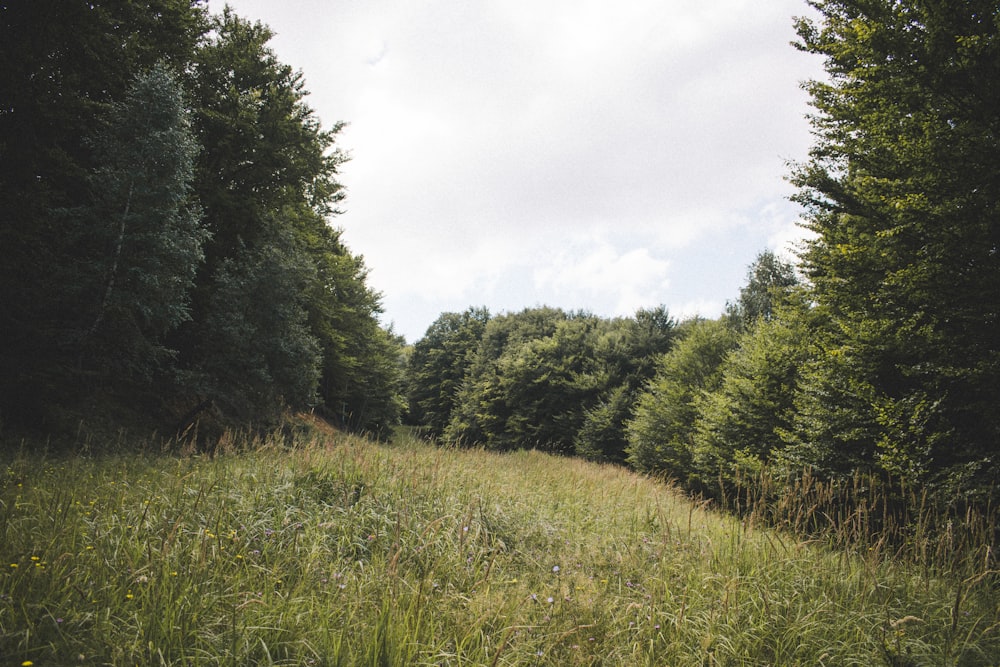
(699, 308)
(593, 271)
(580, 153)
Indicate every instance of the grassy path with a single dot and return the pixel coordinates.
(348, 553)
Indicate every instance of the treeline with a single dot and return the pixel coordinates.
(628, 390)
(166, 246)
(543, 378)
(884, 362)
(165, 229)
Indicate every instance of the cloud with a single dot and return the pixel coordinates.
(592, 271)
(377, 51)
(579, 153)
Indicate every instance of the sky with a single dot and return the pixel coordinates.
(592, 155)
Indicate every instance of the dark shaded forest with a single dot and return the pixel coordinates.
(168, 253)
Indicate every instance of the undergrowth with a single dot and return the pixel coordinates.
(338, 551)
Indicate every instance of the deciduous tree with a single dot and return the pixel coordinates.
(903, 195)
(661, 435)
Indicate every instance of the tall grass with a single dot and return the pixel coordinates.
(873, 515)
(341, 552)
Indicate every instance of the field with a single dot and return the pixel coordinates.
(339, 551)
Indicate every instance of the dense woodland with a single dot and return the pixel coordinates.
(878, 354)
(168, 199)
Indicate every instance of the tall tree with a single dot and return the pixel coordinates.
(438, 365)
(144, 226)
(903, 194)
(265, 152)
(267, 181)
(62, 66)
(257, 355)
(768, 281)
(361, 380)
(100, 221)
(627, 349)
(500, 399)
(547, 384)
(742, 423)
(661, 435)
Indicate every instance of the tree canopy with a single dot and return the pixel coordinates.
(167, 226)
(902, 191)
(168, 237)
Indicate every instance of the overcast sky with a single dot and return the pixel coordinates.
(586, 154)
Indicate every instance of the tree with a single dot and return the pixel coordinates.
(743, 422)
(627, 350)
(533, 375)
(768, 281)
(265, 153)
(62, 66)
(144, 230)
(361, 382)
(117, 280)
(267, 180)
(547, 384)
(257, 355)
(661, 435)
(602, 436)
(438, 365)
(834, 429)
(902, 192)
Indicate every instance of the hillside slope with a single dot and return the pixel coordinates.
(343, 552)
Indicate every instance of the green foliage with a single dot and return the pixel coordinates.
(769, 280)
(439, 364)
(256, 354)
(529, 383)
(361, 382)
(626, 350)
(541, 378)
(343, 552)
(661, 436)
(481, 408)
(602, 435)
(265, 153)
(833, 430)
(741, 422)
(145, 227)
(167, 197)
(62, 66)
(370, 396)
(547, 383)
(902, 190)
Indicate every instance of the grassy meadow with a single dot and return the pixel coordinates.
(339, 551)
